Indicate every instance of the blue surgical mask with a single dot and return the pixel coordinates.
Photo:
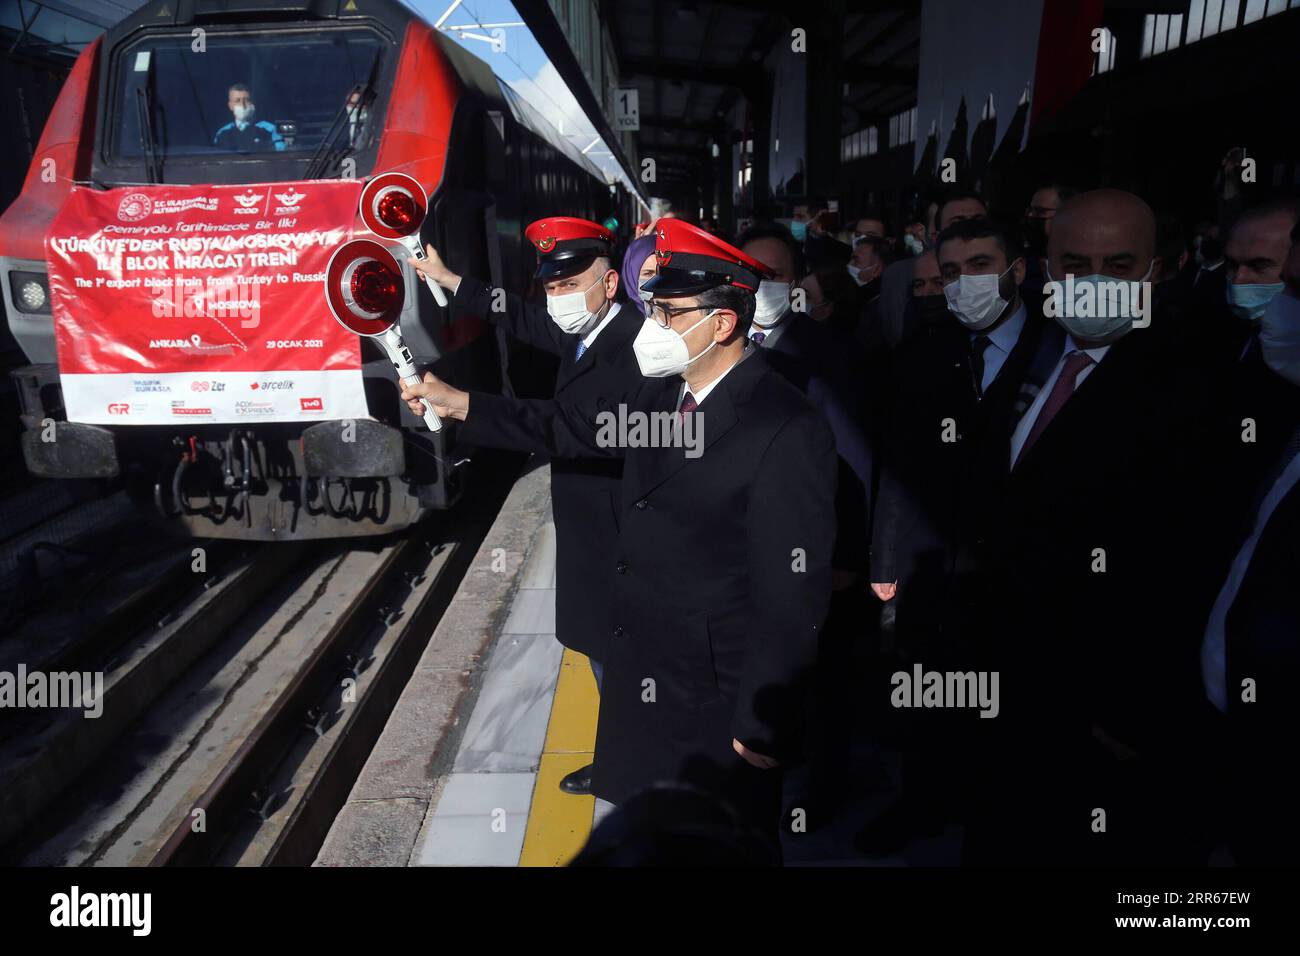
(1249, 300)
(913, 244)
(1105, 324)
(643, 300)
(1279, 337)
(799, 230)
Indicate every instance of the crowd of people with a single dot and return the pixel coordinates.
(1021, 486)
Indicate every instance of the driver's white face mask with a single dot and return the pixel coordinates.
(243, 113)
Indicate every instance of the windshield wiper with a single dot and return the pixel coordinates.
(148, 141)
(327, 155)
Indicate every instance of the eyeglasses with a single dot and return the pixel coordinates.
(664, 314)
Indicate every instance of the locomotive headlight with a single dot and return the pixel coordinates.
(31, 291)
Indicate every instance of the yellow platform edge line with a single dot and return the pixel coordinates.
(559, 823)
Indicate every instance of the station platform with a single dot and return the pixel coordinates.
(467, 769)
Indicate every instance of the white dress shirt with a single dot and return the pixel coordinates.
(1027, 422)
(589, 339)
(1213, 661)
(772, 332)
(704, 391)
(1001, 341)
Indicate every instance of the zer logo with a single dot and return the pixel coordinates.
(248, 200)
(119, 408)
(291, 198)
(312, 404)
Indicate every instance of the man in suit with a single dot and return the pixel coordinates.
(723, 561)
(1099, 548)
(829, 368)
(584, 325)
(896, 283)
(1250, 653)
(936, 425)
(1257, 248)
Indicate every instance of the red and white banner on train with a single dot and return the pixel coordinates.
(202, 304)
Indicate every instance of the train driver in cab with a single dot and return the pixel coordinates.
(245, 133)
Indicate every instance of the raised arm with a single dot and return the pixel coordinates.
(525, 321)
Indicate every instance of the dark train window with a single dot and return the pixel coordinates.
(295, 82)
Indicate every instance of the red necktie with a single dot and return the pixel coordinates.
(1075, 363)
(689, 404)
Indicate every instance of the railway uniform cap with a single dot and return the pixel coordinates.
(692, 260)
(566, 246)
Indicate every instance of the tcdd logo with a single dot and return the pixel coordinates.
(134, 207)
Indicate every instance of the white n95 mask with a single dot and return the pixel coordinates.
(662, 352)
(569, 311)
(771, 301)
(976, 301)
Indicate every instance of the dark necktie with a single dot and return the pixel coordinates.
(689, 404)
(978, 346)
(1075, 363)
(758, 337)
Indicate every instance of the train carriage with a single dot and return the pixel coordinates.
(144, 107)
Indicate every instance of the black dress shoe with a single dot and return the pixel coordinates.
(578, 782)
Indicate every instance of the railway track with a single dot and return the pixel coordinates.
(238, 705)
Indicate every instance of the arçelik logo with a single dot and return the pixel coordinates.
(134, 207)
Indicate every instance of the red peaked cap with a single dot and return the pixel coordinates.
(566, 246)
(692, 260)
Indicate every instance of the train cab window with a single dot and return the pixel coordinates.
(244, 94)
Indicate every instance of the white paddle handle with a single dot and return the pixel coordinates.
(400, 356)
(430, 416)
(412, 244)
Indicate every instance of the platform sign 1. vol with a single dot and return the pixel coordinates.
(202, 304)
(627, 109)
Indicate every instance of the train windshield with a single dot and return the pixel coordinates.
(242, 94)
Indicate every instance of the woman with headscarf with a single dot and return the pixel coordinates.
(639, 264)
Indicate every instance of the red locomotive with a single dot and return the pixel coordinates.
(281, 94)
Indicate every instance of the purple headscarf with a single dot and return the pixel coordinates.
(637, 252)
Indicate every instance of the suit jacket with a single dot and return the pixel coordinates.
(584, 489)
(1262, 642)
(1101, 571)
(926, 486)
(721, 575)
